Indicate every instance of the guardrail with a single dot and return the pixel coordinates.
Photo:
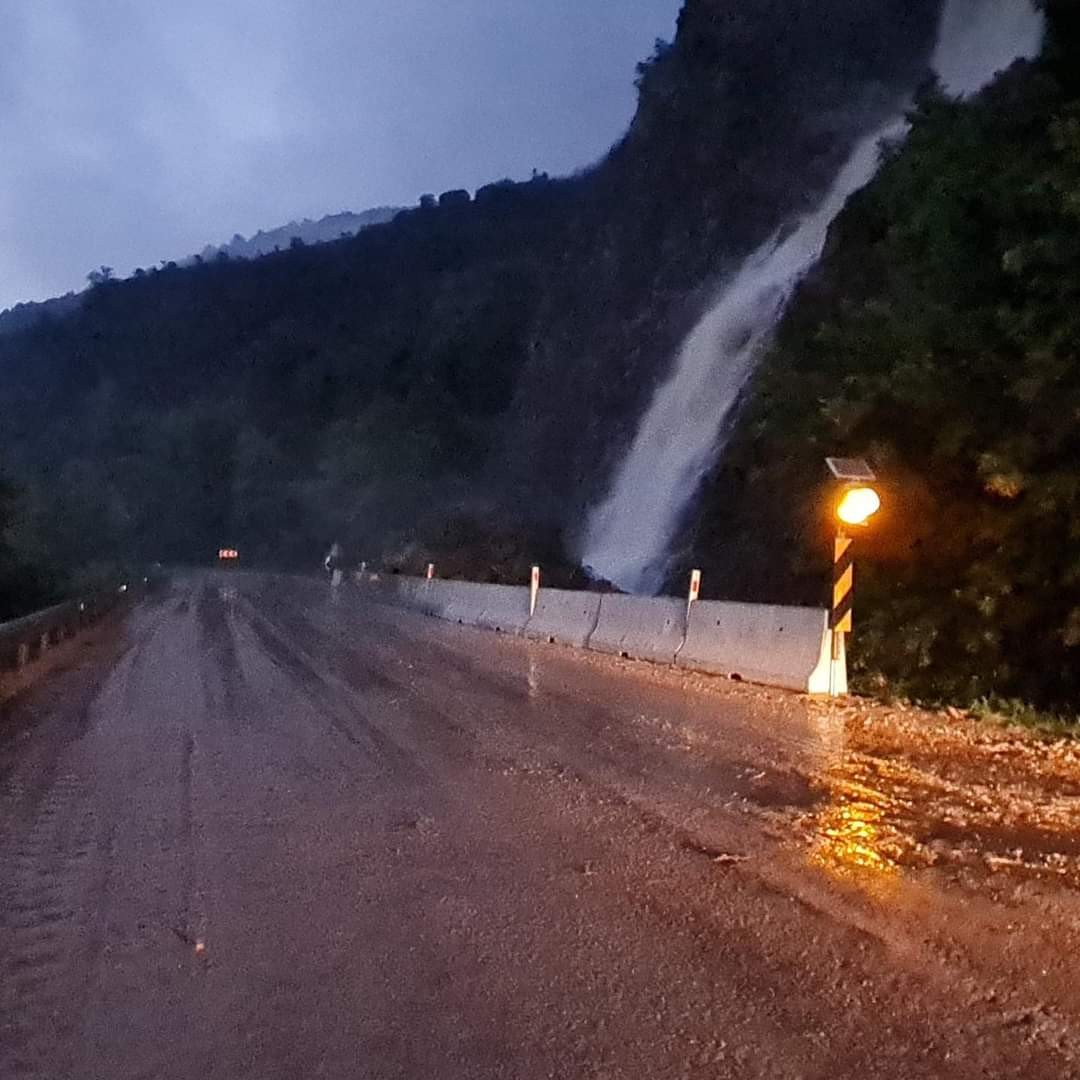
(787, 647)
(25, 640)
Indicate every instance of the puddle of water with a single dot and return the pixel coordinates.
(853, 839)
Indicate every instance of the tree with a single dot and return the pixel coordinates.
(100, 276)
(25, 584)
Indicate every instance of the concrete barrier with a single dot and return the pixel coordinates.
(398, 590)
(461, 601)
(641, 628)
(504, 608)
(432, 597)
(386, 589)
(787, 647)
(380, 589)
(566, 617)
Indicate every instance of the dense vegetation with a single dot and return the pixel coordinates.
(940, 339)
(460, 381)
(273, 404)
(25, 583)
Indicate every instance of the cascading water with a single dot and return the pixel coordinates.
(630, 533)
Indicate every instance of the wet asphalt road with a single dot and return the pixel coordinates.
(268, 834)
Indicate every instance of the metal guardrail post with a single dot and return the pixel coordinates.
(26, 639)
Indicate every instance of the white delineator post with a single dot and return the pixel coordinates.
(534, 590)
(431, 571)
(695, 592)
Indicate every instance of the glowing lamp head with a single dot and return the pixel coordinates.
(858, 505)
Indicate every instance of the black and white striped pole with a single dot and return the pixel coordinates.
(857, 504)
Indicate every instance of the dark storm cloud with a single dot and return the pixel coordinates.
(134, 131)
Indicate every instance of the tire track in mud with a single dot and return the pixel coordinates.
(188, 922)
(54, 854)
(295, 621)
(228, 697)
(131, 664)
(363, 667)
(46, 947)
(621, 756)
(190, 927)
(334, 699)
(554, 729)
(370, 667)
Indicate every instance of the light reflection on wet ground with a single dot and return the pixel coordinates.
(853, 840)
(895, 793)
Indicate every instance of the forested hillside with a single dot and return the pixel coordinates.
(461, 381)
(330, 227)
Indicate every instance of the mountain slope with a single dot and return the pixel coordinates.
(25, 315)
(328, 228)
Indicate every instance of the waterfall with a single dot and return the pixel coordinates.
(629, 534)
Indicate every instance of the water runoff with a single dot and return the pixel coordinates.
(630, 533)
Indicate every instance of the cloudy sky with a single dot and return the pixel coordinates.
(133, 131)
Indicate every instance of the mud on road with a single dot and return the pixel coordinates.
(272, 834)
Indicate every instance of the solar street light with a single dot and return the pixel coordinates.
(857, 504)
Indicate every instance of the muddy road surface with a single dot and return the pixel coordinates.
(266, 833)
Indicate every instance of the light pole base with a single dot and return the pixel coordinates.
(838, 682)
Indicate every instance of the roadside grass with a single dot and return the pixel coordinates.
(1012, 712)
(991, 709)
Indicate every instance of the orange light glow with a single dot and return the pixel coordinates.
(858, 505)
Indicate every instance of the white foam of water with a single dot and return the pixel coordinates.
(630, 532)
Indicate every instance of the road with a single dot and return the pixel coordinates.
(264, 833)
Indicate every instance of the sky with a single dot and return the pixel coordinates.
(135, 131)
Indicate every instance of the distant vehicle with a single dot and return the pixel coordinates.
(228, 557)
